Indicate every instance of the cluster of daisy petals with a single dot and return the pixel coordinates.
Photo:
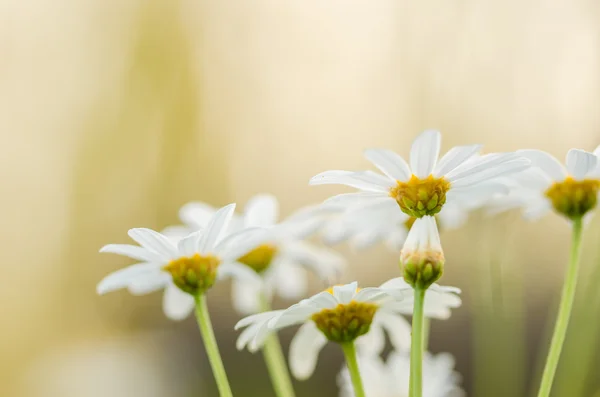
(402, 206)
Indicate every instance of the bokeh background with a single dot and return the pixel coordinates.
(115, 113)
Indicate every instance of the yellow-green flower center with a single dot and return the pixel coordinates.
(421, 269)
(345, 322)
(260, 258)
(574, 198)
(194, 274)
(420, 197)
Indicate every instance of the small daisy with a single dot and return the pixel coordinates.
(192, 265)
(391, 378)
(340, 314)
(282, 260)
(423, 188)
(422, 258)
(571, 191)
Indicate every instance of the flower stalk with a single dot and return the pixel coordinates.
(564, 311)
(275, 361)
(210, 344)
(417, 344)
(350, 355)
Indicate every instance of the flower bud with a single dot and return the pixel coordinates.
(422, 259)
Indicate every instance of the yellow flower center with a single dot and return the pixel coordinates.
(420, 197)
(194, 274)
(260, 258)
(345, 323)
(421, 269)
(574, 198)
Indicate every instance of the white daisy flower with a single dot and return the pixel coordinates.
(422, 258)
(391, 378)
(427, 184)
(571, 191)
(282, 260)
(341, 314)
(192, 265)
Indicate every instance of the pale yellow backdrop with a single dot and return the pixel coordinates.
(114, 113)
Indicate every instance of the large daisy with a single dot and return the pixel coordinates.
(423, 188)
(391, 378)
(340, 314)
(282, 260)
(192, 264)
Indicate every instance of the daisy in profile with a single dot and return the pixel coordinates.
(193, 265)
(391, 378)
(423, 188)
(342, 314)
(281, 261)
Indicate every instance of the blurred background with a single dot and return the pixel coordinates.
(115, 113)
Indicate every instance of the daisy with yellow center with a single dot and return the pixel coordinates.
(424, 187)
(343, 314)
(187, 268)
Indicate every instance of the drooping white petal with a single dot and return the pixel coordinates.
(291, 282)
(360, 180)
(154, 241)
(177, 305)
(345, 293)
(424, 153)
(188, 245)
(261, 211)
(148, 282)
(245, 296)
(536, 209)
(326, 263)
(196, 214)
(455, 158)
(489, 173)
(295, 314)
(366, 238)
(373, 342)
(240, 243)
(546, 162)
(398, 329)
(304, 350)
(247, 335)
(580, 163)
(390, 163)
(123, 277)
(354, 199)
(256, 318)
(480, 164)
(215, 229)
(131, 251)
(239, 272)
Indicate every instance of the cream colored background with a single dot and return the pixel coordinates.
(114, 113)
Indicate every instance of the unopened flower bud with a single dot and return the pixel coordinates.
(422, 259)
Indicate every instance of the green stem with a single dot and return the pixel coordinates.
(426, 333)
(350, 354)
(416, 349)
(564, 311)
(210, 344)
(276, 363)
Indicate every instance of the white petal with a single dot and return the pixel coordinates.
(373, 342)
(257, 318)
(390, 163)
(121, 278)
(261, 211)
(473, 177)
(247, 335)
(424, 153)
(187, 246)
(291, 281)
(304, 350)
(239, 272)
(196, 214)
(295, 314)
(396, 239)
(240, 243)
(326, 263)
(352, 199)
(323, 300)
(398, 329)
(245, 297)
(535, 210)
(444, 289)
(455, 158)
(370, 295)
(154, 241)
(479, 164)
(216, 229)
(131, 251)
(149, 282)
(580, 163)
(359, 180)
(177, 305)
(548, 163)
(345, 293)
